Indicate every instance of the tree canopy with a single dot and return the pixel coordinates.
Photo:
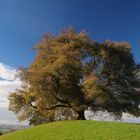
(71, 73)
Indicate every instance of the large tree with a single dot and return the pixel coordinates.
(72, 73)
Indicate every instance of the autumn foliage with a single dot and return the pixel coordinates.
(72, 73)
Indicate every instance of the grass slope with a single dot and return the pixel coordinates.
(78, 130)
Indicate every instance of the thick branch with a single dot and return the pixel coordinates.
(53, 107)
(61, 101)
(57, 106)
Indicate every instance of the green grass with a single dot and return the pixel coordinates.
(78, 130)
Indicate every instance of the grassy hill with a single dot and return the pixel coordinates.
(78, 130)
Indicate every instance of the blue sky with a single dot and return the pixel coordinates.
(22, 23)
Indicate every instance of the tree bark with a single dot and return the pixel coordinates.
(81, 115)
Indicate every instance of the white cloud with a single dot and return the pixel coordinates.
(7, 72)
(5, 88)
(8, 83)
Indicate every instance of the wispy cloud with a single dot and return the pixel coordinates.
(7, 73)
(8, 83)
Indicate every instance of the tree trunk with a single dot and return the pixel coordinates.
(81, 115)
